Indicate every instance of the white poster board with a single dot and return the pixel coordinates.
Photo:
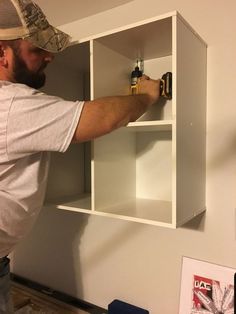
(206, 288)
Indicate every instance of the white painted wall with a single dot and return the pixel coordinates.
(100, 259)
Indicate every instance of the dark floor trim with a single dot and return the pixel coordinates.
(60, 296)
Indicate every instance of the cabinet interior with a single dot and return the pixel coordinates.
(133, 169)
(70, 173)
(133, 166)
(115, 57)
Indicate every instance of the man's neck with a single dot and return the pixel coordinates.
(4, 76)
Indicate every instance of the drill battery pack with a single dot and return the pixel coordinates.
(166, 85)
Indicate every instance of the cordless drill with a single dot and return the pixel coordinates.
(165, 84)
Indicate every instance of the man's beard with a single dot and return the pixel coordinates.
(24, 76)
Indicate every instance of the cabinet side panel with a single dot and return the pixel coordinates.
(191, 123)
(114, 169)
(111, 72)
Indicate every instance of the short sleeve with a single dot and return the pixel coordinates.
(39, 122)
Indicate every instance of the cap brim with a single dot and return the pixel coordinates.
(50, 39)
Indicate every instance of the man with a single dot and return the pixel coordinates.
(32, 123)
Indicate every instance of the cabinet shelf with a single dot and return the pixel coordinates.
(140, 210)
(153, 210)
(164, 125)
(73, 203)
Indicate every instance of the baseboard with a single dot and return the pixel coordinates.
(54, 296)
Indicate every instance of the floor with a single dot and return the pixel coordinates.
(27, 301)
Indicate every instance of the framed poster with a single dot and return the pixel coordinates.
(206, 288)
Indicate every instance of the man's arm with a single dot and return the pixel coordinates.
(103, 115)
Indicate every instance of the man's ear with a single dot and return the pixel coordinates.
(3, 58)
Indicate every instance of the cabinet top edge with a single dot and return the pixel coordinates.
(129, 26)
(191, 28)
(156, 18)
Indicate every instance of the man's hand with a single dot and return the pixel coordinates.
(149, 87)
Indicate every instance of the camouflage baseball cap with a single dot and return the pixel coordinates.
(24, 19)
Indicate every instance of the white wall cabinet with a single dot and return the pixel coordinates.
(153, 170)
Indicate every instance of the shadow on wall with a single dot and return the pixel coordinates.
(226, 153)
(75, 10)
(49, 254)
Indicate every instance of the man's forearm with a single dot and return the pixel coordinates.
(103, 115)
(121, 110)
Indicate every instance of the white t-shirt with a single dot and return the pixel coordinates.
(31, 125)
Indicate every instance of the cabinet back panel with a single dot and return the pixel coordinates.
(68, 77)
(67, 175)
(130, 165)
(153, 165)
(114, 169)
